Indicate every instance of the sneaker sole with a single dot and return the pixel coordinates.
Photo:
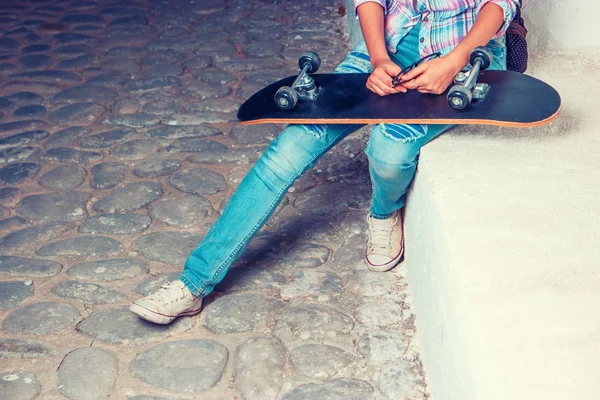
(389, 265)
(157, 318)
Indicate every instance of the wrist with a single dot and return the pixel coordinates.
(375, 61)
(459, 58)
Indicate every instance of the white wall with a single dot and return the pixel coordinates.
(561, 24)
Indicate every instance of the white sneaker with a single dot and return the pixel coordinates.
(172, 300)
(385, 245)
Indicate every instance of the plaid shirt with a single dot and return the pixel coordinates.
(444, 23)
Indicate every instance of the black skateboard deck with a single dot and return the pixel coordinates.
(513, 100)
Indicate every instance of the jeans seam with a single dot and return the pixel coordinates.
(188, 283)
(261, 220)
(382, 217)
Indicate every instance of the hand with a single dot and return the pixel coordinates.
(380, 80)
(434, 76)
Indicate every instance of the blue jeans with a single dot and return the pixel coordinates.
(392, 151)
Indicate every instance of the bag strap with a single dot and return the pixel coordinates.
(517, 25)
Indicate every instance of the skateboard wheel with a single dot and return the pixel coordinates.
(286, 98)
(313, 60)
(459, 97)
(482, 53)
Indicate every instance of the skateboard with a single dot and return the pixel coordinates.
(478, 96)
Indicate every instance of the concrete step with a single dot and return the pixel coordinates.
(503, 250)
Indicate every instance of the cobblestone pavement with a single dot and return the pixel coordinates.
(118, 150)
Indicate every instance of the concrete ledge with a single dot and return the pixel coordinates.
(503, 251)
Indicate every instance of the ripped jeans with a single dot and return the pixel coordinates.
(392, 151)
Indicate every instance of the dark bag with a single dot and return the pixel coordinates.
(516, 45)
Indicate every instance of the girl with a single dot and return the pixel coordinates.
(396, 34)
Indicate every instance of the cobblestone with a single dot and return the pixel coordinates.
(86, 93)
(171, 248)
(259, 367)
(135, 150)
(4, 212)
(108, 270)
(322, 285)
(7, 194)
(14, 174)
(252, 278)
(33, 236)
(107, 175)
(194, 145)
(177, 132)
(66, 137)
(129, 198)
(22, 139)
(105, 139)
(88, 373)
(90, 246)
(22, 385)
(29, 111)
(240, 313)
(58, 206)
(135, 120)
(182, 212)
(17, 154)
(62, 178)
(12, 293)
(319, 361)
(40, 318)
(396, 381)
(156, 167)
(24, 348)
(115, 224)
(88, 293)
(151, 285)
(118, 149)
(119, 326)
(381, 347)
(253, 134)
(332, 390)
(160, 365)
(77, 114)
(198, 181)
(303, 255)
(13, 222)
(372, 311)
(317, 323)
(68, 154)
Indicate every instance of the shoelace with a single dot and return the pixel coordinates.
(162, 293)
(381, 234)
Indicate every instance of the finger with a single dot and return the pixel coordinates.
(411, 85)
(378, 91)
(375, 89)
(392, 70)
(434, 89)
(384, 76)
(384, 85)
(413, 73)
(397, 77)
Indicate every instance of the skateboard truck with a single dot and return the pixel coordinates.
(465, 87)
(304, 87)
